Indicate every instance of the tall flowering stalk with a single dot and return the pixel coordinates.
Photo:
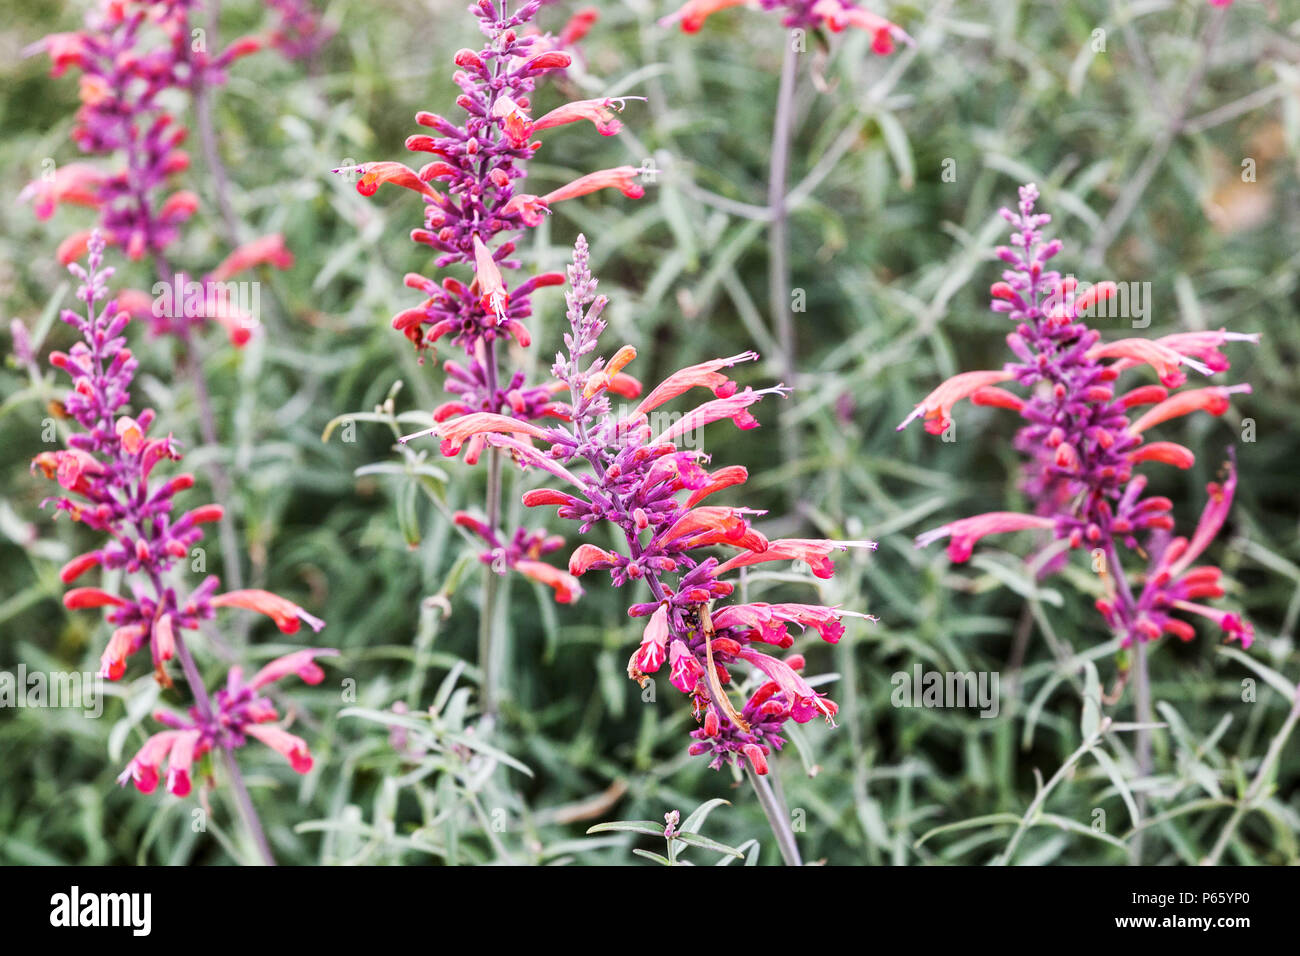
(1083, 442)
(474, 211)
(644, 478)
(108, 483)
(132, 56)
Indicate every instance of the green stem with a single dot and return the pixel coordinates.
(489, 649)
(777, 817)
(778, 245)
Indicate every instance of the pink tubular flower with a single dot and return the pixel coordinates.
(807, 703)
(839, 14)
(937, 406)
(292, 748)
(599, 112)
(1083, 448)
(284, 612)
(813, 552)
(303, 663)
(964, 534)
(144, 766)
(650, 656)
(236, 712)
(622, 178)
(266, 250)
(1205, 346)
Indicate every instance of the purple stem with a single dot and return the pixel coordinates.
(207, 136)
(777, 818)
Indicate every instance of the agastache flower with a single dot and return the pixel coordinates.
(126, 75)
(618, 474)
(132, 57)
(1082, 445)
(474, 212)
(477, 163)
(108, 475)
(238, 711)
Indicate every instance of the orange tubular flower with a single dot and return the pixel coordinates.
(567, 588)
(693, 14)
(603, 379)
(494, 297)
(1163, 359)
(588, 556)
(1166, 451)
(284, 612)
(813, 552)
(374, 175)
(718, 480)
(622, 178)
(75, 183)
(705, 375)
(715, 525)
(1214, 400)
(937, 406)
(456, 432)
(599, 112)
(268, 249)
